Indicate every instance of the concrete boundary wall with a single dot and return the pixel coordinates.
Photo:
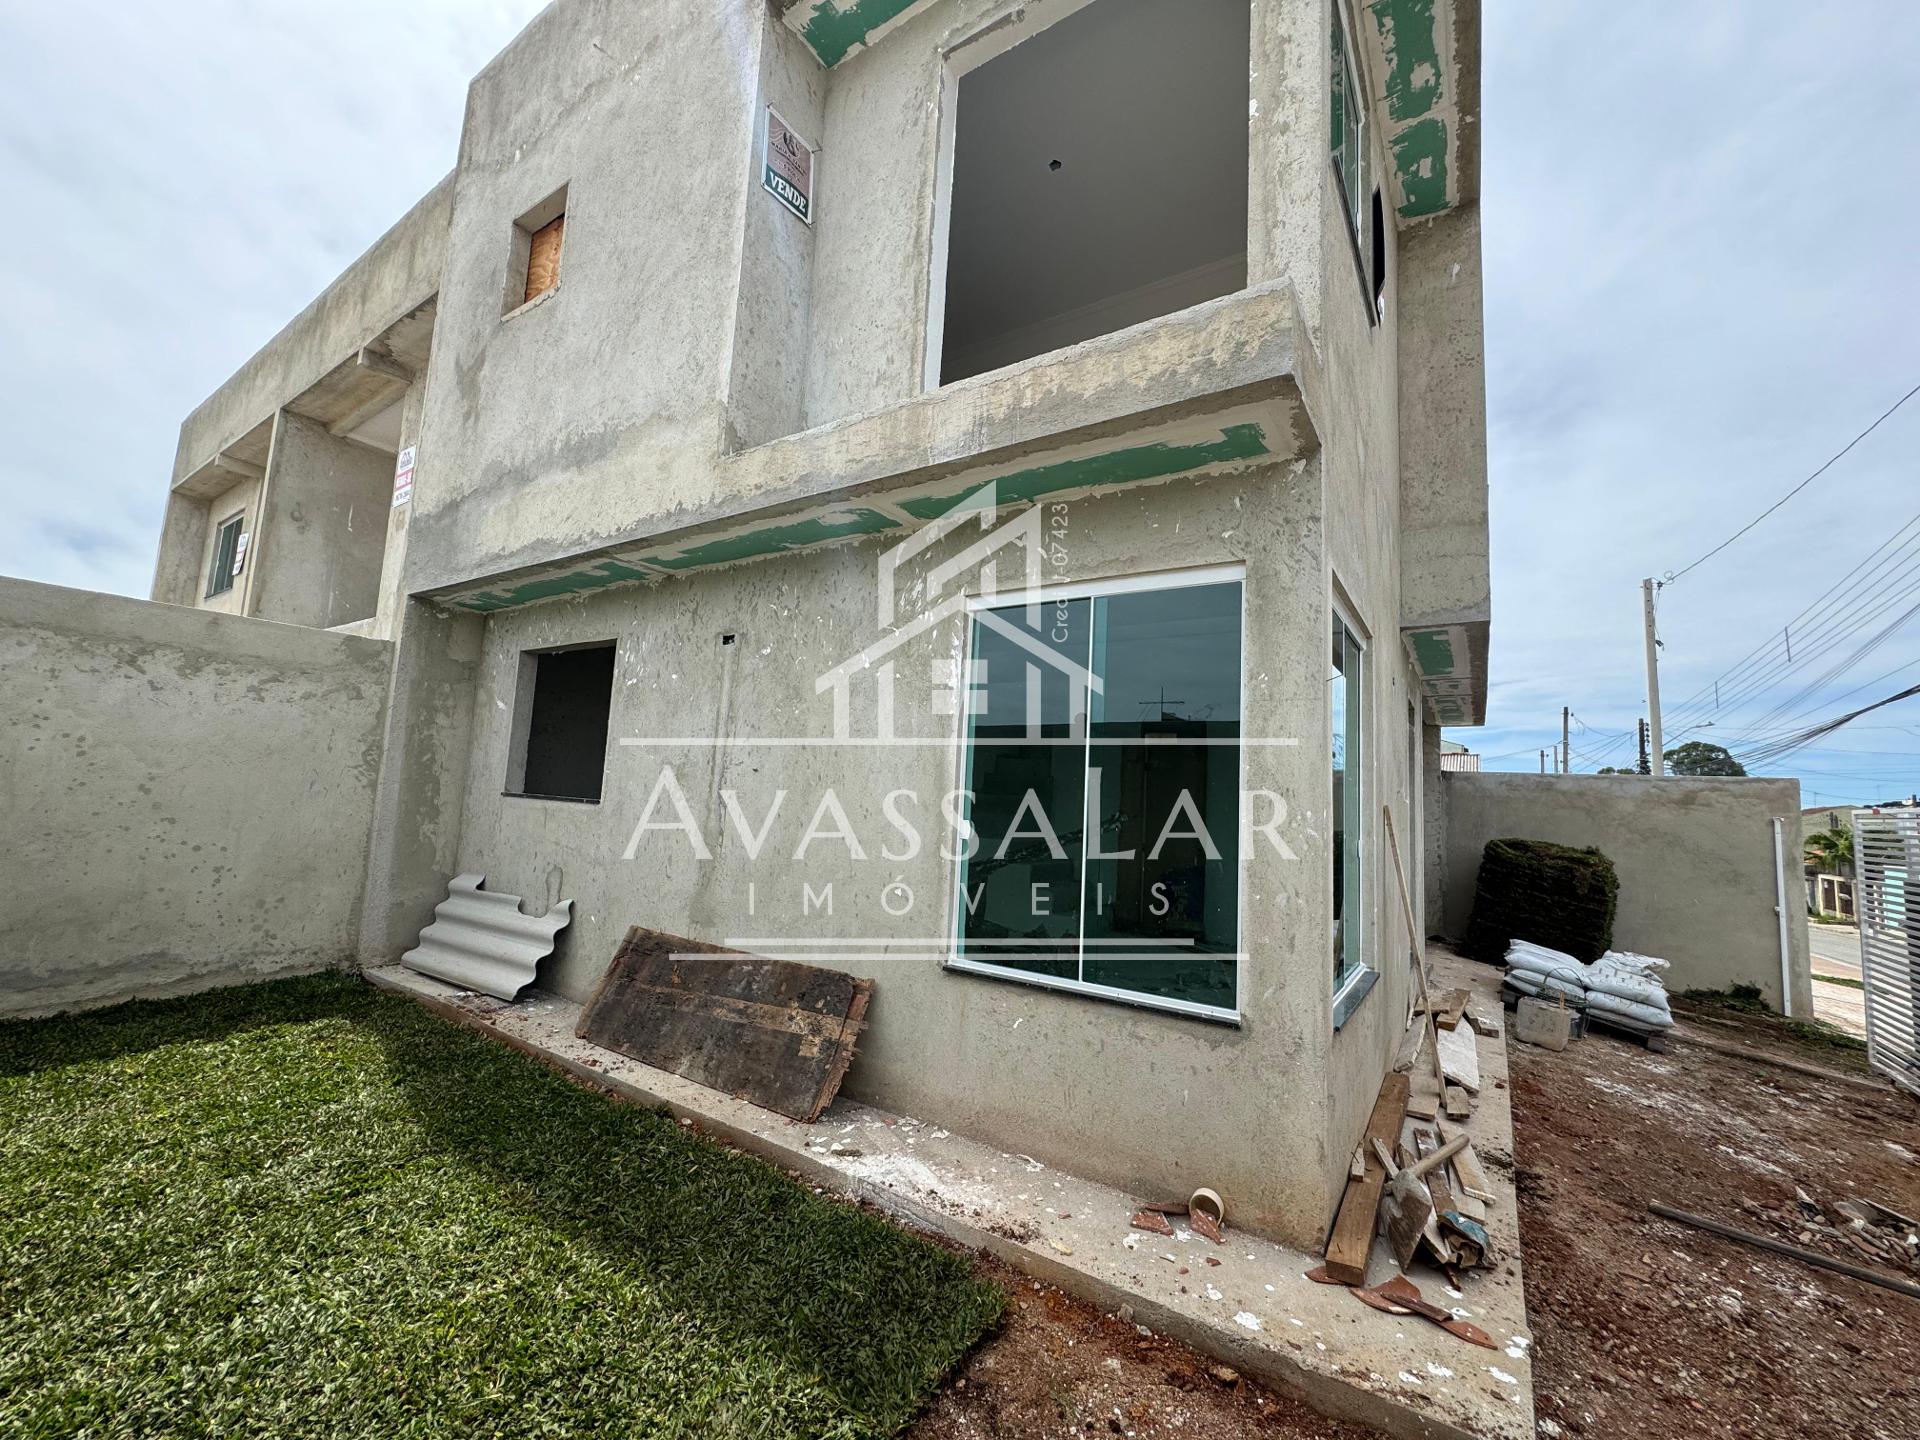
(1695, 859)
(186, 796)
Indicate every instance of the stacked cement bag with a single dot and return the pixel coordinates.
(1620, 988)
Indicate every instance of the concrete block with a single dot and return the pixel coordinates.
(1539, 1023)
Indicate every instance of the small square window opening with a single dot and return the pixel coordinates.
(533, 267)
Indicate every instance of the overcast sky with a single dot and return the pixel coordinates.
(1700, 229)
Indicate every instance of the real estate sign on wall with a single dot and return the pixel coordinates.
(788, 171)
(403, 477)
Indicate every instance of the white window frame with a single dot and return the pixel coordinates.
(1354, 985)
(954, 959)
(228, 577)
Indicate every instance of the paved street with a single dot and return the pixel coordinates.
(1836, 951)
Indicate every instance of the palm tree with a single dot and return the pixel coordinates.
(1831, 851)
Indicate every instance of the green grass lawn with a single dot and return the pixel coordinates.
(310, 1209)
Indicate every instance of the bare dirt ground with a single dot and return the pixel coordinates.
(1057, 1367)
(1647, 1328)
(1642, 1328)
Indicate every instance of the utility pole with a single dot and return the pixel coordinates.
(1566, 740)
(1658, 759)
(1543, 762)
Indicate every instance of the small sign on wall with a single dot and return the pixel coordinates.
(787, 173)
(403, 477)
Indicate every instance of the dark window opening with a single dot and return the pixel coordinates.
(226, 556)
(562, 716)
(1379, 255)
(1099, 179)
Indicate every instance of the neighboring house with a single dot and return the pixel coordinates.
(1818, 819)
(1832, 892)
(1455, 756)
(622, 434)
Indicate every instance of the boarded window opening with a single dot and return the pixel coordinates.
(539, 236)
(561, 715)
(543, 258)
(226, 555)
(1099, 179)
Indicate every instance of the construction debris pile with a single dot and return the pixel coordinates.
(1621, 990)
(1415, 1177)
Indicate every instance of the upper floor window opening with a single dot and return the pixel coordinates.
(1098, 178)
(533, 262)
(1349, 136)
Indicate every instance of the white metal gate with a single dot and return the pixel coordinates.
(1886, 852)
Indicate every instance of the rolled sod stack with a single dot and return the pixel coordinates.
(1550, 894)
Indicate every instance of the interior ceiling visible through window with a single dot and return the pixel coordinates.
(1100, 179)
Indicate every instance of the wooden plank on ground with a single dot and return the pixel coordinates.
(1449, 1007)
(774, 1032)
(1460, 1058)
(1466, 1166)
(1352, 1238)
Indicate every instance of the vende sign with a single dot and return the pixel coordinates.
(403, 477)
(787, 173)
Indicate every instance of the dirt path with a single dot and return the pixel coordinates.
(1060, 1368)
(1646, 1328)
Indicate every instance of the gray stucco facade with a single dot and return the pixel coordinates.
(719, 443)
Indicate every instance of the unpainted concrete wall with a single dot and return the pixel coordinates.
(694, 316)
(1148, 1100)
(187, 796)
(322, 532)
(1695, 859)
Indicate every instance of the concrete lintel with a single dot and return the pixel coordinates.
(216, 475)
(380, 399)
(1230, 355)
(1348, 1361)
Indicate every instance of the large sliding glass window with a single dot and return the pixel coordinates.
(1103, 765)
(1347, 710)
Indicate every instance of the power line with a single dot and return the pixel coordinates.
(1866, 583)
(1767, 754)
(1675, 575)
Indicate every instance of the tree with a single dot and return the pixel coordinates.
(1610, 770)
(1831, 851)
(1697, 757)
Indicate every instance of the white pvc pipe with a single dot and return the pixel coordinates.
(1780, 910)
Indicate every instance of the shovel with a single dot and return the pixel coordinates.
(1407, 1205)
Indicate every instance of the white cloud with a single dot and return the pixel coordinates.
(1698, 225)
(182, 180)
